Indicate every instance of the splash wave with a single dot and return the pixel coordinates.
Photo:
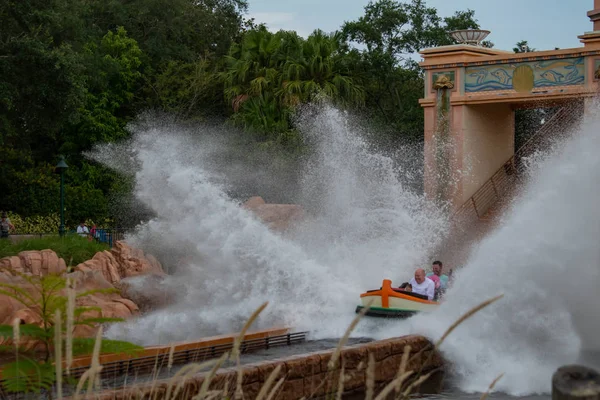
(544, 257)
(363, 224)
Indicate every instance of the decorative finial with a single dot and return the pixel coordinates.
(470, 36)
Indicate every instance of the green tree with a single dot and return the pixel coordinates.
(390, 32)
(269, 74)
(396, 29)
(112, 79)
(320, 68)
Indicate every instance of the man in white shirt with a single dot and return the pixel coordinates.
(422, 285)
(82, 230)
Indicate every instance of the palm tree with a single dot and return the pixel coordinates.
(321, 68)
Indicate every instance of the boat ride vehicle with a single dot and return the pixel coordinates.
(394, 303)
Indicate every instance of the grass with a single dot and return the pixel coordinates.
(72, 248)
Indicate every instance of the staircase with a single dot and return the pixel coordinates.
(481, 212)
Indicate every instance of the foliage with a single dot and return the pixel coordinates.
(268, 74)
(72, 248)
(390, 30)
(35, 224)
(27, 375)
(76, 73)
(45, 300)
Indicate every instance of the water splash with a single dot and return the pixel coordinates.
(545, 258)
(363, 224)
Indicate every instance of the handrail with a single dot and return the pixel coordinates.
(502, 181)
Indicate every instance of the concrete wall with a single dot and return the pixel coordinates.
(308, 375)
(487, 143)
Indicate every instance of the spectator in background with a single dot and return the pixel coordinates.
(5, 225)
(82, 230)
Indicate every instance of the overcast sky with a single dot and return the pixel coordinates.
(546, 24)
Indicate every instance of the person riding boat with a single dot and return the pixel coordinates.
(437, 276)
(436, 268)
(422, 285)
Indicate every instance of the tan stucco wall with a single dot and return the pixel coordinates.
(487, 143)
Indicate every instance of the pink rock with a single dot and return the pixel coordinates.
(254, 202)
(279, 217)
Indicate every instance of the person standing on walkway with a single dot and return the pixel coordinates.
(5, 225)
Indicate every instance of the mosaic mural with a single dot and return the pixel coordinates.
(557, 72)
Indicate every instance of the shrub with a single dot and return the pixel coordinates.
(38, 224)
(72, 248)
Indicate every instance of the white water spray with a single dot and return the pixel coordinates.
(363, 225)
(545, 258)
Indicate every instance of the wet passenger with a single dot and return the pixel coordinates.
(422, 285)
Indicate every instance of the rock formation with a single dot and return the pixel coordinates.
(35, 262)
(105, 270)
(121, 262)
(279, 217)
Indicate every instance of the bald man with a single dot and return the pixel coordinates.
(422, 285)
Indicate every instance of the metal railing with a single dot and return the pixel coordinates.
(103, 235)
(506, 177)
(109, 236)
(156, 362)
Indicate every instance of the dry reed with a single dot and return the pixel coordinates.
(491, 387)
(340, 388)
(170, 362)
(402, 368)
(275, 389)
(370, 378)
(96, 368)
(466, 316)
(393, 385)
(459, 321)
(185, 372)
(58, 353)
(70, 325)
(267, 385)
(333, 361)
(206, 384)
(16, 327)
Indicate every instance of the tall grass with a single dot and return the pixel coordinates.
(402, 386)
(72, 248)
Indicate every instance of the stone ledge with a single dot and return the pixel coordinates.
(308, 375)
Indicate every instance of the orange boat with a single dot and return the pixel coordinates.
(394, 303)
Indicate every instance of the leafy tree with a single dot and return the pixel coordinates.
(393, 29)
(45, 300)
(113, 76)
(75, 72)
(390, 32)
